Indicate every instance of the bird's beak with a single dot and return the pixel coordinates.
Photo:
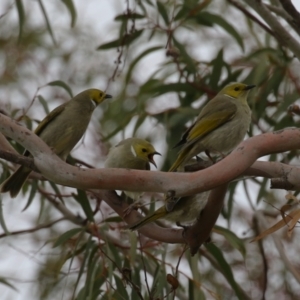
(107, 96)
(151, 159)
(249, 87)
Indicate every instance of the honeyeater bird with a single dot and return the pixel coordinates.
(131, 153)
(221, 125)
(186, 209)
(61, 129)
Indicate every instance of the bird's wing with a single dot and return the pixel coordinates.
(209, 119)
(49, 118)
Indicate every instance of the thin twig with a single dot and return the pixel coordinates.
(281, 34)
(293, 12)
(34, 229)
(252, 17)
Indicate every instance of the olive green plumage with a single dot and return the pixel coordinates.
(131, 153)
(221, 125)
(61, 130)
(186, 210)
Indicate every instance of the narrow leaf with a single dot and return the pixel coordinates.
(83, 200)
(62, 85)
(2, 221)
(70, 6)
(21, 14)
(163, 12)
(47, 21)
(215, 19)
(226, 270)
(32, 194)
(44, 103)
(129, 16)
(232, 238)
(66, 236)
(120, 42)
(5, 282)
(134, 63)
(278, 225)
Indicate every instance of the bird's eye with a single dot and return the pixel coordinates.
(144, 149)
(237, 89)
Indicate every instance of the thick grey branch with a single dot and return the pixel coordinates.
(224, 171)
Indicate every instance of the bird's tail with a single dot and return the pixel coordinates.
(181, 158)
(14, 183)
(159, 213)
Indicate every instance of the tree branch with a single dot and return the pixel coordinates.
(183, 184)
(251, 16)
(282, 35)
(292, 11)
(18, 159)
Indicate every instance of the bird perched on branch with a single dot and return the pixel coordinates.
(61, 130)
(186, 209)
(221, 125)
(131, 153)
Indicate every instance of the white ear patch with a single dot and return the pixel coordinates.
(94, 103)
(133, 151)
(229, 96)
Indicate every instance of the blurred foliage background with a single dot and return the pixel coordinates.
(162, 61)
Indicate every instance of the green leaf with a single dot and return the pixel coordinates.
(90, 247)
(21, 14)
(47, 21)
(2, 221)
(128, 39)
(232, 238)
(226, 270)
(76, 251)
(129, 16)
(62, 85)
(191, 65)
(83, 200)
(172, 87)
(182, 12)
(114, 253)
(217, 64)
(217, 20)
(123, 123)
(44, 103)
(32, 194)
(134, 63)
(139, 122)
(66, 236)
(120, 290)
(70, 6)
(57, 191)
(114, 44)
(263, 189)
(163, 12)
(5, 282)
(115, 219)
(92, 265)
(120, 42)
